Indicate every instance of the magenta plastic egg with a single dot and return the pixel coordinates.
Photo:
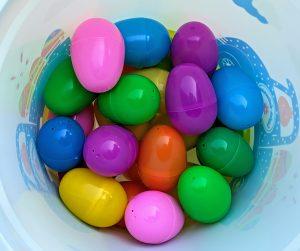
(110, 150)
(85, 119)
(195, 43)
(153, 217)
(190, 99)
(97, 53)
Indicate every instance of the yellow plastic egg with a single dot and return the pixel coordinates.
(159, 78)
(96, 200)
(171, 34)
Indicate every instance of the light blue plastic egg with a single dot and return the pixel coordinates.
(240, 102)
(147, 41)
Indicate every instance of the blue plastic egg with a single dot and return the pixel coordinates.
(147, 41)
(240, 102)
(60, 143)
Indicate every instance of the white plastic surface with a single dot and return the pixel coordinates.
(261, 36)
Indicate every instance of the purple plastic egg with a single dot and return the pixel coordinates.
(195, 43)
(190, 99)
(110, 150)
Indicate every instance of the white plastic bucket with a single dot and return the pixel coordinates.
(264, 41)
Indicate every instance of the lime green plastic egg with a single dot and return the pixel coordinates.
(63, 94)
(135, 100)
(225, 151)
(204, 194)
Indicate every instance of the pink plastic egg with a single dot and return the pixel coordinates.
(153, 217)
(85, 119)
(97, 53)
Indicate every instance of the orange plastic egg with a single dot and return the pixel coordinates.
(229, 179)
(133, 173)
(47, 114)
(132, 188)
(162, 158)
(139, 130)
(163, 119)
(128, 69)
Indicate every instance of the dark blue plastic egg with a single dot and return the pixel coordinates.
(60, 143)
(240, 103)
(147, 41)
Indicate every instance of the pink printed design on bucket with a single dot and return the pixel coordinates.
(28, 89)
(17, 78)
(285, 111)
(25, 159)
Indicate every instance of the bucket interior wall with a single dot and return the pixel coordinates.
(260, 36)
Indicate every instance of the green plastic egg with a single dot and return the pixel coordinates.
(63, 94)
(204, 194)
(134, 100)
(166, 64)
(225, 151)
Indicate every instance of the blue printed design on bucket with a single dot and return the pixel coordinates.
(32, 169)
(248, 6)
(280, 116)
(233, 51)
(252, 196)
(56, 49)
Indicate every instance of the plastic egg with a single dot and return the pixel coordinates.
(171, 34)
(47, 114)
(190, 99)
(96, 200)
(153, 217)
(195, 43)
(63, 94)
(225, 151)
(110, 150)
(166, 63)
(138, 130)
(60, 143)
(132, 188)
(147, 41)
(162, 158)
(128, 69)
(204, 194)
(163, 119)
(98, 52)
(85, 119)
(240, 102)
(135, 100)
(159, 78)
(132, 173)
(101, 119)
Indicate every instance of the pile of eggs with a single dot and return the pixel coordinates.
(154, 97)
